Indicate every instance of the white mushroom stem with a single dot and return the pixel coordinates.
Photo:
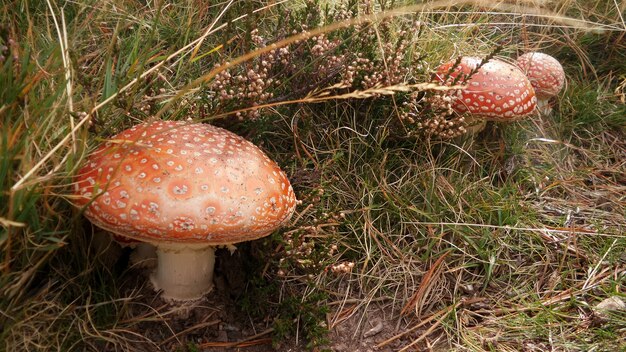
(184, 272)
(475, 125)
(544, 107)
(144, 255)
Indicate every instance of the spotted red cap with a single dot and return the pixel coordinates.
(544, 72)
(184, 182)
(496, 91)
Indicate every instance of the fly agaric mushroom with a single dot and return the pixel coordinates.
(545, 74)
(185, 188)
(496, 90)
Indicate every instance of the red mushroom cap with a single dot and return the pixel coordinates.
(168, 181)
(544, 72)
(124, 241)
(496, 91)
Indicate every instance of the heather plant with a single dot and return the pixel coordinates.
(347, 59)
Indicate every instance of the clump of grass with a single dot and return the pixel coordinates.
(501, 242)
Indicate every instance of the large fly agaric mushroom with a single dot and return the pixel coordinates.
(184, 188)
(545, 74)
(494, 91)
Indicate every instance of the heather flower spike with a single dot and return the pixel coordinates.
(184, 188)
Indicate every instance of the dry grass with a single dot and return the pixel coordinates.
(503, 241)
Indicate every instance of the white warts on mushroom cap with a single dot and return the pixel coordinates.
(545, 74)
(185, 188)
(495, 91)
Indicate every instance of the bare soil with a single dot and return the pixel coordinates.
(217, 323)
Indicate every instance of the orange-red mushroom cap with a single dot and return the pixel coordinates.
(544, 72)
(168, 181)
(496, 91)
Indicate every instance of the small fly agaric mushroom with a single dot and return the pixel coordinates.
(494, 91)
(184, 188)
(545, 74)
